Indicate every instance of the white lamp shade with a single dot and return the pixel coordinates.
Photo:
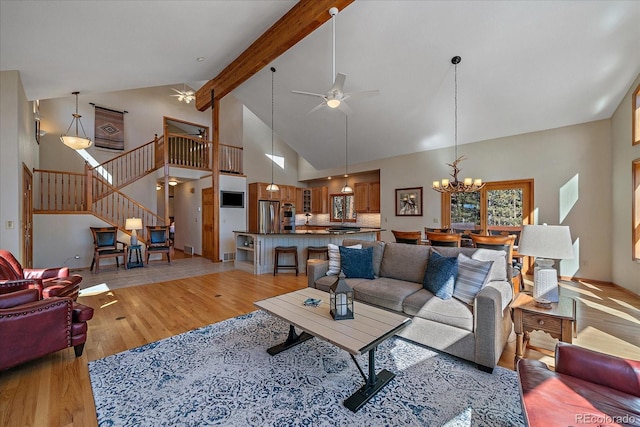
(546, 241)
(133, 224)
(76, 142)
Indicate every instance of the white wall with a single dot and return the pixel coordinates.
(552, 158)
(257, 143)
(230, 121)
(232, 219)
(17, 146)
(625, 272)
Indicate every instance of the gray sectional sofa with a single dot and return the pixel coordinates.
(477, 332)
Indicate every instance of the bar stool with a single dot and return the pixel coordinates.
(323, 251)
(318, 250)
(285, 250)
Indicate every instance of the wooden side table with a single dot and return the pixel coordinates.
(559, 321)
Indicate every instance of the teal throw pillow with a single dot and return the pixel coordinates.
(440, 275)
(357, 263)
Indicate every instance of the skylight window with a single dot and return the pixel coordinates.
(278, 160)
(93, 163)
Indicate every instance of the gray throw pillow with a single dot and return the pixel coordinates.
(472, 276)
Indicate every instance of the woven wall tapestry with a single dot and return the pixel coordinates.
(109, 129)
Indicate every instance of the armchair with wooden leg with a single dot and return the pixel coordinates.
(105, 245)
(158, 241)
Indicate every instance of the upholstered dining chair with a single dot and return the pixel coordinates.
(158, 241)
(444, 239)
(105, 245)
(409, 237)
(502, 243)
(50, 282)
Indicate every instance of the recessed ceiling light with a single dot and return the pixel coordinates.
(200, 58)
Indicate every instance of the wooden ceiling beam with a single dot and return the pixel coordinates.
(303, 19)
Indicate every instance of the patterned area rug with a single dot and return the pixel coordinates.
(222, 375)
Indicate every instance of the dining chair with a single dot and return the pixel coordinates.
(408, 237)
(444, 239)
(436, 230)
(502, 243)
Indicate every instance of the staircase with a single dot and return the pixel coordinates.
(98, 190)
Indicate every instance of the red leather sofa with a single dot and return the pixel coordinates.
(588, 388)
(31, 327)
(52, 282)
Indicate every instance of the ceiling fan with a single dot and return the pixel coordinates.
(184, 94)
(335, 98)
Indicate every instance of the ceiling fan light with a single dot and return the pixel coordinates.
(333, 103)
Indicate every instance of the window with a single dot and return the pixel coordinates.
(635, 207)
(342, 208)
(636, 116)
(499, 205)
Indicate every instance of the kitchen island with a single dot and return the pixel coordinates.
(255, 251)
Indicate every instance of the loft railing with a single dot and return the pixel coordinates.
(188, 152)
(59, 192)
(230, 159)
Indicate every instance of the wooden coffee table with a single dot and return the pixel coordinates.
(370, 327)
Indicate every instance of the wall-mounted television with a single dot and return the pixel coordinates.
(231, 199)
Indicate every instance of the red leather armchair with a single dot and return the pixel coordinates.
(52, 282)
(587, 389)
(31, 327)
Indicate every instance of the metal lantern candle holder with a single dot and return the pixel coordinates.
(341, 300)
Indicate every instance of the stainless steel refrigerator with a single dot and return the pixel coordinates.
(268, 216)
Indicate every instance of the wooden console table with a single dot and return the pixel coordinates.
(559, 321)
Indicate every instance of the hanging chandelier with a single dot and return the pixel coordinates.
(469, 185)
(346, 189)
(74, 141)
(272, 186)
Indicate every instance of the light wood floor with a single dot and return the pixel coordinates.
(56, 391)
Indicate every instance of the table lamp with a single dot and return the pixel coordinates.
(133, 224)
(546, 243)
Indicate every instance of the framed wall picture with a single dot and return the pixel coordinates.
(409, 201)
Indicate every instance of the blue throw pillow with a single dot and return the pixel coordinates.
(440, 276)
(357, 263)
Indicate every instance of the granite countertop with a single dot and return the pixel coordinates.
(329, 231)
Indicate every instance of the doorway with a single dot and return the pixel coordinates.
(27, 217)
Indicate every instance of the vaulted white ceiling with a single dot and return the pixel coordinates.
(526, 66)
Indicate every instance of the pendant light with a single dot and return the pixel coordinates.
(346, 189)
(272, 186)
(74, 141)
(468, 185)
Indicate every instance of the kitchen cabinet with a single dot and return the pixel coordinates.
(258, 190)
(288, 194)
(303, 200)
(319, 200)
(367, 197)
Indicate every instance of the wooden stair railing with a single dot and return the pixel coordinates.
(126, 168)
(59, 192)
(117, 207)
